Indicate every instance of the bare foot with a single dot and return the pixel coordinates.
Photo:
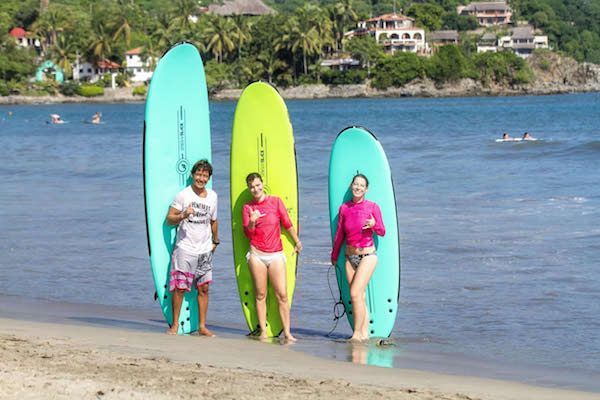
(357, 339)
(172, 331)
(205, 332)
(290, 339)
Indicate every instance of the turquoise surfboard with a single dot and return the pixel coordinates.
(176, 135)
(356, 150)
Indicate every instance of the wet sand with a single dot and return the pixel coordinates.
(60, 361)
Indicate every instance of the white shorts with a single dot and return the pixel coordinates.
(266, 258)
(197, 268)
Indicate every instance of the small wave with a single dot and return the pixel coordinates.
(315, 262)
(591, 147)
(571, 199)
(473, 288)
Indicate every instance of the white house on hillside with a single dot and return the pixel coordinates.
(24, 38)
(488, 13)
(89, 72)
(523, 41)
(140, 71)
(487, 43)
(395, 32)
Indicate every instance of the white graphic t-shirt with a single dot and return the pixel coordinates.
(194, 234)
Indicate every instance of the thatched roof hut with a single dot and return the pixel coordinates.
(240, 7)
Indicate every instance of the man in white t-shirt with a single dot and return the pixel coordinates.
(194, 211)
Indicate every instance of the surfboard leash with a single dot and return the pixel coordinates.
(336, 315)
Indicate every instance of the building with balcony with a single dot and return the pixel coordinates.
(442, 38)
(487, 43)
(523, 41)
(24, 38)
(140, 70)
(92, 72)
(488, 13)
(394, 32)
(340, 64)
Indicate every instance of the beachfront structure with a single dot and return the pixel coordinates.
(24, 38)
(442, 38)
(488, 13)
(523, 41)
(487, 43)
(340, 64)
(93, 72)
(139, 70)
(394, 32)
(240, 7)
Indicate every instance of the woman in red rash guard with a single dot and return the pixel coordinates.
(359, 219)
(263, 217)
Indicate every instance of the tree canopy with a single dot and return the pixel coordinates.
(284, 48)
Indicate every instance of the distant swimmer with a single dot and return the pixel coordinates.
(527, 136)
(507, 138)
(96, 118)
(55, 119)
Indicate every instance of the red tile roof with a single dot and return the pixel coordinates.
(107, 64)
(18, 33)
(136, 51)
(391, 17)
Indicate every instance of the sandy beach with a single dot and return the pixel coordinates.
(63, 361)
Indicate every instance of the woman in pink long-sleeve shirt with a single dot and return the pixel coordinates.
(358, 220)
(262, 218)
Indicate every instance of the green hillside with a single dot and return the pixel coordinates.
(285, 48)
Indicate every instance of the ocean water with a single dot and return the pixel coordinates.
(500, 242)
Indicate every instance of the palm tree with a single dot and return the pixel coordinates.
(150, 53)
(271, 63)
(218, 38)
(100, 44)
(301, 35)
(162, 35)
(181, 12)
(125, 9)
(44, 5)
(241, 31)
(63, 52)
(344, 15)
(47, 26)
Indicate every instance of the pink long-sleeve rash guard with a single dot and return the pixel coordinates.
(352, 217)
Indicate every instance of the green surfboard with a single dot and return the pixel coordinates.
(176, 135)
(262, 141)
(356, 150)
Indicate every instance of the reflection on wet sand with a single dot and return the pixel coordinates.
(373, 352)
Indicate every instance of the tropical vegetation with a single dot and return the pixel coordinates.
(284, 48)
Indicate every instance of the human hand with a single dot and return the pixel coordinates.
(369, 223)
(255, 215)
(298, 247)
(187, 212)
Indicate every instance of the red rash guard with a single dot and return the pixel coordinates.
(266, 235)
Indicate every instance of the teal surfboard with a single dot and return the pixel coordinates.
(356, 150)
(176, 135)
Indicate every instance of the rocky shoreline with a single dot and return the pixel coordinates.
(571, 77)
(419, 88)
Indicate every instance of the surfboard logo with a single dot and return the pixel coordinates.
(262, 158)
(183, 165)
